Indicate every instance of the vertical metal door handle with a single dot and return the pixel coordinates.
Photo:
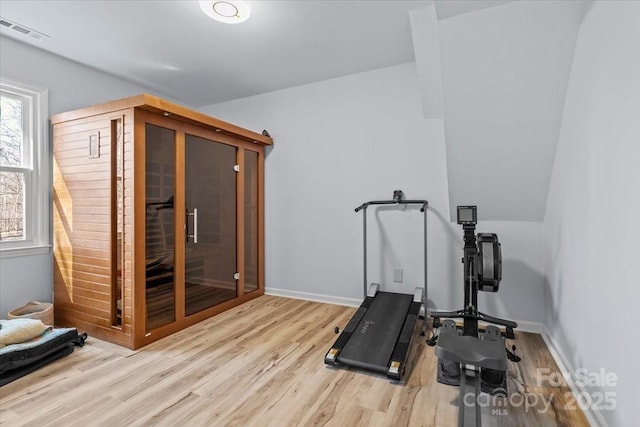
(195, 225)
(194, 214)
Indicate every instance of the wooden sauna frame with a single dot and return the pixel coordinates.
(85, 215)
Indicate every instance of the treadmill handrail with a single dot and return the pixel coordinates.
(423, 208)
(365, 205)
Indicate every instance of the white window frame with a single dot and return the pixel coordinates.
(37, 238)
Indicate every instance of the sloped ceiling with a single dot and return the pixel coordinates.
(496, 71)
(498, 76)
(174, 49)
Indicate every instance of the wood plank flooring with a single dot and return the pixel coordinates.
(261, 364)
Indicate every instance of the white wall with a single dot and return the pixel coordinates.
(70, 86)
(505, 71)
(521, 294)
(344, 141)
(425, 33)
(337, 143)
(591, 222)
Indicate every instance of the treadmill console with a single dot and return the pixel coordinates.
(467, 215)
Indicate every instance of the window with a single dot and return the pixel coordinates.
(24, 169)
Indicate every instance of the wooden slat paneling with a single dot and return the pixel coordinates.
(82, 224)
(84, 124)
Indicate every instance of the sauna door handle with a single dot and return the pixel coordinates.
(194, 214)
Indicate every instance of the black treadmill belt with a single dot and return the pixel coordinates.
(371, 344)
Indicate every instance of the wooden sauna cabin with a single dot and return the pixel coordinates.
(158, 218)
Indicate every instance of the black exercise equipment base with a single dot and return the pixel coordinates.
(378, 336)
(507, 333)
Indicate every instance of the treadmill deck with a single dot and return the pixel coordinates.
(373, 339)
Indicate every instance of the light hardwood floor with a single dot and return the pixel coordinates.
(262, 364)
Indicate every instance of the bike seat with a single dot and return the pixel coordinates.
(472, 351)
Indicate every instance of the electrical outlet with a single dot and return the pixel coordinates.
(397, 275)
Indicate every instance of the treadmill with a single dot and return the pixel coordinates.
(378, 336)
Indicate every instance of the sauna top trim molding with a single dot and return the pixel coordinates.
(167, 108)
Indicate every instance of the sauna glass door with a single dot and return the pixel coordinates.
(210, 223)
(160, 283)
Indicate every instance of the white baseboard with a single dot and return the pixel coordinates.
(307, 296)
(523, 325)
(593, 415)
(532, 327)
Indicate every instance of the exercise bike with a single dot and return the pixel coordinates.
(475, 362)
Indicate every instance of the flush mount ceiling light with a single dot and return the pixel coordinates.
(227, 11)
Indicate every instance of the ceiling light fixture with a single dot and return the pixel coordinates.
(227, 11)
